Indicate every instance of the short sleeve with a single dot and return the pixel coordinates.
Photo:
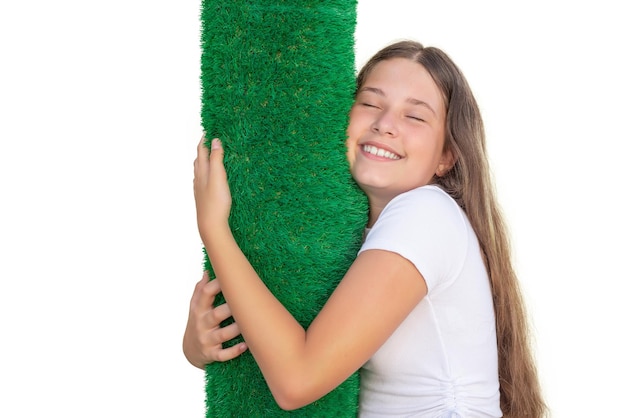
(428, 228)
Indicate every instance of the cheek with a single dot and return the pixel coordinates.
(356, 129)
(353, 132)
(350, 149)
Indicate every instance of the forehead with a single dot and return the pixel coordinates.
(404, 79)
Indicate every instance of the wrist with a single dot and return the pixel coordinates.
(212, 231)
(209, 229)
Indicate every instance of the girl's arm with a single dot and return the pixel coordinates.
(203, 338)
(300, 366)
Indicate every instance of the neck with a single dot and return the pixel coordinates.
(376, 205)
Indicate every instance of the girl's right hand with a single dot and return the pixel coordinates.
(202, 342)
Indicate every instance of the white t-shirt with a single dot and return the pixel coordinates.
(442, 360)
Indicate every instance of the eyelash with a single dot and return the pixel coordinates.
(369, 105)
(365, 104)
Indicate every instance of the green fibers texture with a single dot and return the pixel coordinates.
(278, 80)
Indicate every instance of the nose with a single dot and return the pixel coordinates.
(385, 124)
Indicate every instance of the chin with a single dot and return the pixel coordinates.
(374, 188)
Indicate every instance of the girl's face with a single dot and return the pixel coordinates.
(396, 131)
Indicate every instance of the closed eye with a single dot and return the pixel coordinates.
(415, 118)
(366, 104)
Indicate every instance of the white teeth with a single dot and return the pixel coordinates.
(370, 149)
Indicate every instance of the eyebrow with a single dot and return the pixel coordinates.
(410, 100)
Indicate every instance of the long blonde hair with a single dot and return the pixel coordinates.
(469, 183)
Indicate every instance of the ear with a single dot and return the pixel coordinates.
(445, 164)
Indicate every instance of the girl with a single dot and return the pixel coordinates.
(430, 311)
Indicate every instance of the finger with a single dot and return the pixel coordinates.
(213, 336)
(197, 290)
(200, 294)
(203, 152)
(227, 333)
(221, 312)
(217, 157)
(200, 161)
(206, 295)
(230, 352)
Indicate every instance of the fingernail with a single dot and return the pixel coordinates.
(216, 143)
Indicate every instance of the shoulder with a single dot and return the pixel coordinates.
(424, 204)
(432, 195)
(427, 227)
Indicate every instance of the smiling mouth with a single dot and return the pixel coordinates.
(379, 152)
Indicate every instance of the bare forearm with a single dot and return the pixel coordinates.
(273, 336)
(300, 367)
(288, 357)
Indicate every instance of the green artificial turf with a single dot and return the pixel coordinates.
(278, 79)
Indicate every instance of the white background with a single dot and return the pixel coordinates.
(99, 119)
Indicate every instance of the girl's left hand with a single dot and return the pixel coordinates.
(202, 342)
(210, 188)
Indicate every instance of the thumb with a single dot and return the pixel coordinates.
(216, 158)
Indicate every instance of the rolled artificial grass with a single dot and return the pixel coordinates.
(278, 81)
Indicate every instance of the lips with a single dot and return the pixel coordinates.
(379, 152)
